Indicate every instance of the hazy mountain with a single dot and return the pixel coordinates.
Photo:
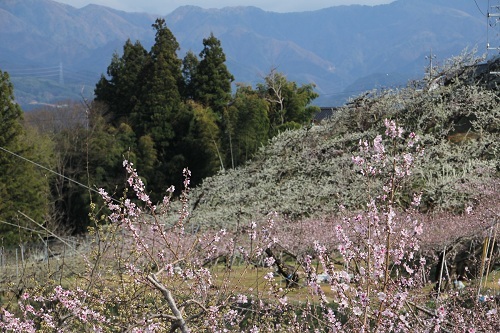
(333, 47)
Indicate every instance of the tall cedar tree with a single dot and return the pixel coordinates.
(212, 80)
(190, 64)
(120, 95)
(23, 188)
(119, 92)
(160, 112)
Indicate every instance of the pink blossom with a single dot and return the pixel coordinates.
(242, 299)
(392, 130)
(269, 261)
(358, 160)
(357, 311)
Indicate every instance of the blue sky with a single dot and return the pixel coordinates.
(163, 7)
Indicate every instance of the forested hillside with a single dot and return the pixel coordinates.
(161, 112)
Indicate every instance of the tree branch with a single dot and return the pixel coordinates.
(179, 320)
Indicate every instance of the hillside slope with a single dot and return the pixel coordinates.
(310, 173)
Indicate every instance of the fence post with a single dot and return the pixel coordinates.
(22, 254)
(441, 272)
(17, 265)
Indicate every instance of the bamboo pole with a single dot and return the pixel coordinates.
(486, 245)
(492, 252)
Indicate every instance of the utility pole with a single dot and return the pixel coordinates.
(430, 57)
(493, 26)
(61, 76)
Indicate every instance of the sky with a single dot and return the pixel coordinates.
(164, 7)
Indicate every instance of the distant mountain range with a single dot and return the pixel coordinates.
(54, 51)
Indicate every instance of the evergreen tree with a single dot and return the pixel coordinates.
(119, 92)
(212, 80)
(150, 93)
(23, 188)
(160, 113)
(160, 96)
(190, 64)
(10, 126)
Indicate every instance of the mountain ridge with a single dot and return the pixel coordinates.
(332, 47)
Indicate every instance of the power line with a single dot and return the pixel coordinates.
(52, 72)
(33, 72)
(479, 8)
(27, 69)
(52, 171)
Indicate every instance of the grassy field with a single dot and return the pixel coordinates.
(69, 268)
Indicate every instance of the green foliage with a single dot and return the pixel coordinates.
(247, 125)
(212, 80)
(83, 147)
(159, 89)
(146, 154)
(23, 188)
(119, 93)
(146, 112)
(288, 103)
(107, 147)
(190, 65)
(11, 113)
(153, 93)
(204, 142)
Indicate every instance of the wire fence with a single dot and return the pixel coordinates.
(18, 257)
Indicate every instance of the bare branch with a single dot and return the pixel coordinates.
(179, 320)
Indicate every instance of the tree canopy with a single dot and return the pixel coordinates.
(120, 91)
(212, 80)
(182, 112)
(23, 188)
(288, 103)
